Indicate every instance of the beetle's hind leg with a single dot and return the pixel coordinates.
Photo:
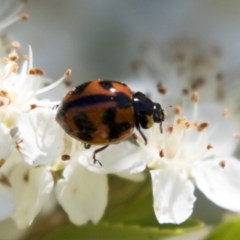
(97, 151)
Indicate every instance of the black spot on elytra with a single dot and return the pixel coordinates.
(85, 127)
(115, 129)
(121, 100)
(61, 119)
(81, 88)
(61, 113)
(106, 84)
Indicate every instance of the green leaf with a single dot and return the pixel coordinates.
(104, 231)
(132, 204)
(229, 230)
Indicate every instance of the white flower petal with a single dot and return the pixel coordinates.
(6, 201)
(31, 189)
(221, 129)
(123, 157)
(173, 196)
(41, 139)
(219, 180)
(13, 159)
(6, 142)
(82, 194)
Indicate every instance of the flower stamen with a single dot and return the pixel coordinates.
(26, 177)
(65, 157)
(222, 163)
(202, 126)
(236, 135)
(4, 180)
(195, 97)
(161, 89)
(2, 161)
(16, 44)
(162, 153)
(177, 110)
(226, 113)
(209, 146)
(36, 71)
(13, 56)
(170, 128)
(56, 83)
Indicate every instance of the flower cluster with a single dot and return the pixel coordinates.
(194, 148)
(199, 137)
(188, 154)
(24, 188)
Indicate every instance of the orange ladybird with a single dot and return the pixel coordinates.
(103, 112)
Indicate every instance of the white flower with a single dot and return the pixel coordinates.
(82, 194)
(30, 139)
(82, 190)
(31, 188)
(6, 198)
(123, 158)
(19, 90)
(6, 141)
(218, 179)
(185, 156)
(173, 195)
(24, 190)
(40, 139)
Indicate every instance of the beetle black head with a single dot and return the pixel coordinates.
(146, 112)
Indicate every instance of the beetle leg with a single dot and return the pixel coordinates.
(142, 134)
(161, 128)
(95, 152)
(87, 145)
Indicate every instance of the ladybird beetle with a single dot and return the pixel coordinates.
(103, 112)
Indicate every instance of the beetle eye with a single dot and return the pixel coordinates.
(158, 114)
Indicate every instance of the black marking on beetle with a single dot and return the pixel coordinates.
(61, 119)
(85, 127)
(158, 113)
(143, 108)
(80, 89)
(61, 112)
(106, 84)
(142, 104)
(121, 99)
(115, 129)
